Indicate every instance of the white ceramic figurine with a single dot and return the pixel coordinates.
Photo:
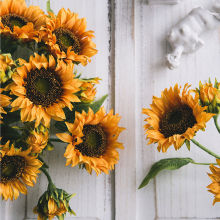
(185, 36)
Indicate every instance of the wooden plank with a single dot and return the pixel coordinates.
(94, 196)
(125, 185)
(146, 202)
(11, 210)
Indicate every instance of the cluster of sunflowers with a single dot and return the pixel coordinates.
(175, 118)
(40, 89)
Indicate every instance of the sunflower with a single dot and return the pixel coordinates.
(6, 66)
(209, 95)
(43, 88)
(93, 141)
(174, 118)
(20, 21)
(18, 169)
(37, 140)
(67, 37)
(54, 202)
(4, 101)
(52, 210)
(214, 187)
(88, 91)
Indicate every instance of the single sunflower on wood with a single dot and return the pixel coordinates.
(174, 118)
(18, 169)
(43, 88)
(67, 37)
(93, 141)
(20, 21)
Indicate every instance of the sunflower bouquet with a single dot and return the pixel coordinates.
(41, 95)
(175, 118)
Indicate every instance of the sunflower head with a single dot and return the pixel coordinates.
(68, 38)
(7, 66)
(20, 21)
(174, 118)
(18, 169)
(209, 95)
(43, 88)
(93, 141)
(88, 90)
(38, 139)
(53, 203)
(214, 187)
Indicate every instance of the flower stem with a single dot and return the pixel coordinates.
(203, 163)
(44, 164)
(50, 182)
(205, 149)
(216, 123)
(55, 140)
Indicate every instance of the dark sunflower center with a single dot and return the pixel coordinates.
(177, 121)
(12, 167)
(12, 20)
(43, 87)
(65, 39)
(94, 141)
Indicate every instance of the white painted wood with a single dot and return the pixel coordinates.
(163, 2)
(125, 80)
(179, 194)
(136, 72)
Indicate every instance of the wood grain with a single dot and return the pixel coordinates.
(130, 37)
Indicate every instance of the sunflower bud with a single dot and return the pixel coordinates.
(54, 202)
(209, 96)
(38, 139)
(6, 67)
(88, 91)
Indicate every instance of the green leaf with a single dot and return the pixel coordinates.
(95, 106)
(61, 126)
(187, 142)
(11, 117)
(164, 164)
(9, 133)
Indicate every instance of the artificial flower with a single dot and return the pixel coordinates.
(214, 187)
(67, 37)
(6, 67)
(4, 101)
(53, 203)
(38, 139)
(18, 169)
(20, 21)
(174, 118)
(88, 91)
(93, 141)
(43, 88)
(209, 95)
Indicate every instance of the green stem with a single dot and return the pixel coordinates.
(216, 123)
(50, 182)
(55, 140)
(203, 163)
(44, 164)
(205, 149)
(48, 6)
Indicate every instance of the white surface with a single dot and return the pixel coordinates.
(135, 71)
(163, 2)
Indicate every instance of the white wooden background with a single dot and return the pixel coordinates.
(130, 37)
